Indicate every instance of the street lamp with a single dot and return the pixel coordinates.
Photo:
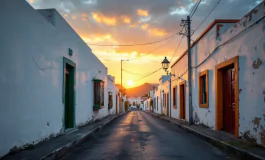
(121, 84)
(165, 65)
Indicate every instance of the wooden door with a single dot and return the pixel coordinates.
(69, 97)
(182, 98)
(229, 100)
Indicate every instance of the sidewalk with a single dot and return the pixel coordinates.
(58, 146)
(222, 140)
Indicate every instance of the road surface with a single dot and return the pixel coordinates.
(140, 136)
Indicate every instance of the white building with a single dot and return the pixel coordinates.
(50, 80)
(228, 77)
(161, 93)
(113, 97)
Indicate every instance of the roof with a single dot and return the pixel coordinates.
(204, 32)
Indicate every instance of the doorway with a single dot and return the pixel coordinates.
(229, 99)
(182, 98)
(227, 96)
(69, 94)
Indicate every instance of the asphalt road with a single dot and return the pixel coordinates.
(140, 136)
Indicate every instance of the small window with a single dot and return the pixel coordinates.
(157, 103)
(98, 94)
(174, 98)
(203, 89)
(110, 105)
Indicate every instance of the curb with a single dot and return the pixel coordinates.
(227, 148)
(60, 152)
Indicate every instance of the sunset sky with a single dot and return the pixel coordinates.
(139, 21)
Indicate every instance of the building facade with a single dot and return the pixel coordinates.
(228, 77)
(50, 80)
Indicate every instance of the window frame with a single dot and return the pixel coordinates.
(110, 100)
(201, 74)
(174, 97)
(98, 94)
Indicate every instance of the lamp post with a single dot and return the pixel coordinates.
(121, 84)
(165, 65)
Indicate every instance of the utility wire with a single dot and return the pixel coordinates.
(136, 44)
(226, 42)
(191, 14)
(176, 48)
(147, 75)
(208, 15)
(148, 53)
(196, 7)
(135, 73)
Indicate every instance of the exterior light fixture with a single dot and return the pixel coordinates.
(165, 64)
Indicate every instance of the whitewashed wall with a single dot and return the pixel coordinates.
(249, 46)
(158, 109)
(31, 75)
(112, 88)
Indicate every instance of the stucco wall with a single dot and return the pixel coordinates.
(31, 75)
(181, 74)
(249, 46)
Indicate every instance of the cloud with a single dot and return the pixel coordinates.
(144, 26)
(139, 21)
(111, 21)
(126, 19)
(157, 32)
(142, 12)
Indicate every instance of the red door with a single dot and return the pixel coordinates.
(182, 102)
(229, 100)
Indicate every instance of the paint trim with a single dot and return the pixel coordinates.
(205, 105)
(204, 32)
(219, 93)
(181, 116)
(71, 63)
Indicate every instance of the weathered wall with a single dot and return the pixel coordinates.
(31, 75)
(111, 87)
(250, 47)
(181, 74)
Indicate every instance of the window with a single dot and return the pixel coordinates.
(157, 103)
(174, 98)
(98, 94)
(154, 103)
(110, 101)
(203, 89)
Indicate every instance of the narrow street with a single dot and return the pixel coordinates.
(141, 136)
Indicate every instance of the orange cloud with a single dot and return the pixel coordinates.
(73, 17)
(31, 1)
(178, 2)
(126, 19)
(111, 21)
(84, 15)
(143, 13)
(181, 7)
(157, 32)
(144, 26)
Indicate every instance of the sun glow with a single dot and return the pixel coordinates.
(130, 82)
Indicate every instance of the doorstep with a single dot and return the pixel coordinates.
(222, 140)
(55, 147)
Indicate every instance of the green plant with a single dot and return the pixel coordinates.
(96, 107)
